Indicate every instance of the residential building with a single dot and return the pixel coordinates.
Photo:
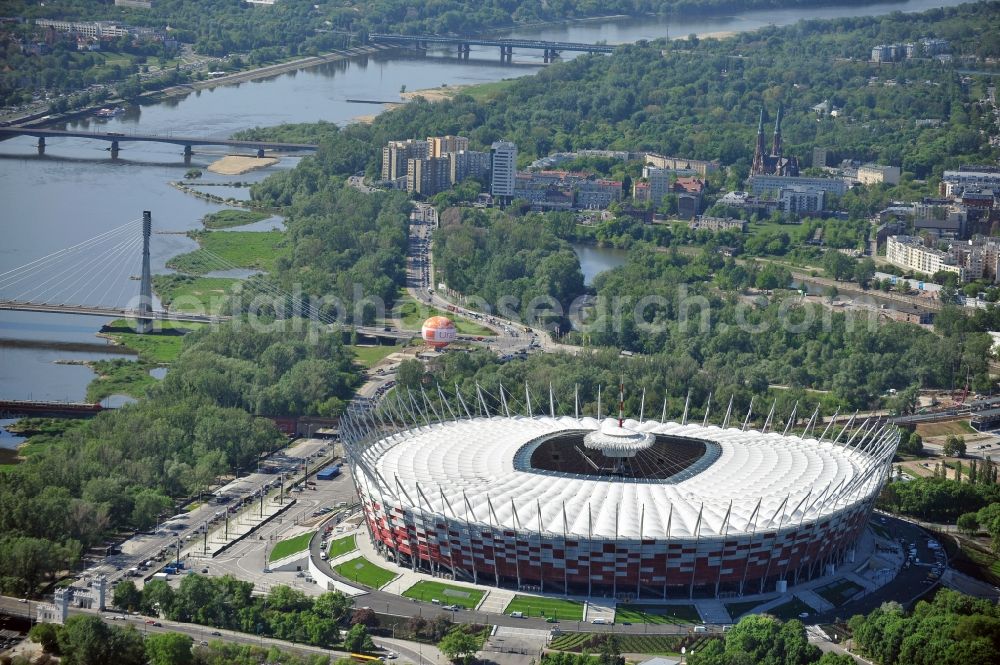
(716, 224)
(799, 200)
(748, 202)
(941, 218)
(503, 166)
(875, 174)
(698, 166)
(439, 146)
(428, 175)
(396, 156)
(956, 182)
(596, 194)
(909, 253)
(819, 156)
(468, 164)
(773, 184)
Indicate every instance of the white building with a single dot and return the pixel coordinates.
(761, 184)
(504, 168)
(956, 182)
(909, 253)
(876, 174)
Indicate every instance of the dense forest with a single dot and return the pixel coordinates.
(125, 468)
(497, 256)
(349, 247)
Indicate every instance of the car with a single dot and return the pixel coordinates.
(22, 600)
(150, 622)
(551, 620)
(392, 655)
(158, 624)
(204, 643)
(204, 571)
(803, 615)
(216, 633)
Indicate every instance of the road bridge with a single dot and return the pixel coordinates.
(506, 46)
(116, 138)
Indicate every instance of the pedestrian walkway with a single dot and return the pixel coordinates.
(814, 600)
(601, 610)
(496, 601)
(713, 611)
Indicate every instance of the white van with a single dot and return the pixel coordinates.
(701, 629)
(599, 621)
(517, 615)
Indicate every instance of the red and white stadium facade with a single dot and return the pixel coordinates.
(605, 507)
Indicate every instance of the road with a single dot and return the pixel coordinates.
(512, 337)
(162, 542)
(408, 651)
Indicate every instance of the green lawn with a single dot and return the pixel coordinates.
(482, 92)
(446, 593)
(368, 356)
(226, 219)
(363, 571)
(195, 295)
(535, 606)
(242, 249)
(657, 614)
(342, 546)
(738, 609)
(157, 347)
(291, 546)
(119, 377)
(412, 314)
(791, 610)
(840, 592)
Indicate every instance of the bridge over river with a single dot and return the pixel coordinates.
(116, 138)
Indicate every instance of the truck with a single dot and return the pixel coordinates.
(161, 576)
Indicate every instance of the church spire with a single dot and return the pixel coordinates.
(776, 143)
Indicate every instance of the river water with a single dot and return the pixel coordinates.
(75, 192)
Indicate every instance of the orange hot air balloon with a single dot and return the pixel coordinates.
(439, 331)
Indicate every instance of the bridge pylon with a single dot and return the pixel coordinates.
(145, 325)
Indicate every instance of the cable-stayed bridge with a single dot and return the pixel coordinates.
(97, 277)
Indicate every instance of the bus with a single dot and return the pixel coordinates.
(362, 658)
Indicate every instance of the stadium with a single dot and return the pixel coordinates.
(613, 507)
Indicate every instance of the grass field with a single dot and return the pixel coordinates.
(446, 593)
(646, 644)
(791, 610)
(368, 356)
(119, 377)
(342, 546)
(534, 606)
(412, 314)
(291, 546)
(971, 560)
(242, 249)
(195, 295)
(482, 92)
(840, 592)
(156, 347)
(363, 571)
(657, 614)
(957, 427)
(227, 219)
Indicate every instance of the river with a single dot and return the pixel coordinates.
(75, 191)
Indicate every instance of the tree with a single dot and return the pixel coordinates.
(610, 652)
(864, 272)
(459, 646)
(954, 446)
(169, 649)
(838, 265)
(358, 639)
(831, 293)
(127, 596)
(968, 523)
(46, 634)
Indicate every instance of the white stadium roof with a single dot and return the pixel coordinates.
(476, 470)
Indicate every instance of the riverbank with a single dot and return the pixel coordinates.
(44, 118)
